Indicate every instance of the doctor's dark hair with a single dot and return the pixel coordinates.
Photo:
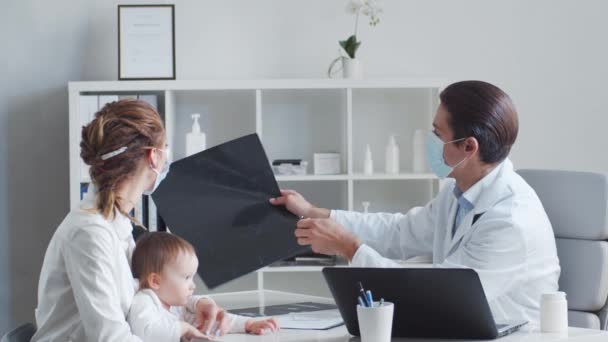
(129, 123)
(481, 110)
(154, 251)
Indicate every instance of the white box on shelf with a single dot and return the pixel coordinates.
(327, 163)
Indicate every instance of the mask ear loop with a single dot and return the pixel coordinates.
(460, 162)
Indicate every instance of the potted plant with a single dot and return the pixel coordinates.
(351, 66)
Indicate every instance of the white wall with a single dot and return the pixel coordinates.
(549, 55)
(42, 47)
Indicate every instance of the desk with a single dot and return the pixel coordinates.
(237, 300)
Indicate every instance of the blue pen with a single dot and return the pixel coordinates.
(364, 296)
(370, 299)
(361, 302)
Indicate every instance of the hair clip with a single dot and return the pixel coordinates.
(113, 153)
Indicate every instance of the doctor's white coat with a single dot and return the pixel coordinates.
(507, 238)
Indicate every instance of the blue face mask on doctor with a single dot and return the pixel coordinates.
(434, 155)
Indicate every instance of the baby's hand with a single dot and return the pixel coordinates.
(189, 332)
(260, 327)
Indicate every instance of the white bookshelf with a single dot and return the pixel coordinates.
(294, 119)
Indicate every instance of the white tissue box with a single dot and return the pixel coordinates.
(327, 163)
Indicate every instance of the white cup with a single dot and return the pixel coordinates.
(554, 312)
(376, 323)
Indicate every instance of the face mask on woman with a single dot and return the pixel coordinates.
(160, 175)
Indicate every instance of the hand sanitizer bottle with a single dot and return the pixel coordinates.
(196, 141)
(392, 156)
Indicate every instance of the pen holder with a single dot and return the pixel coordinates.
(376, 323)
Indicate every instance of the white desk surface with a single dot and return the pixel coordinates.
(236, 300)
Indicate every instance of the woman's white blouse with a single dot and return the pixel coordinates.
(86, 286)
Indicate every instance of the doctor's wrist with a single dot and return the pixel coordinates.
(350, 247)
(320, 213)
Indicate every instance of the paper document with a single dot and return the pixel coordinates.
(282, 309)
(316, 320)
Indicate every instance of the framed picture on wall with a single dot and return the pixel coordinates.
(146, 42)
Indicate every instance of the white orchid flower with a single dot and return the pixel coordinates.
(354, 6)
(368, 8)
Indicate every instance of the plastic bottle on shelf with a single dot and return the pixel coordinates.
(368, 163)
(392, 156)
(196, 141)
(418, 153)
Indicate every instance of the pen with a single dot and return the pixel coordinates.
(381, 301)
(361, 302)
(370, 299)
(364, 296)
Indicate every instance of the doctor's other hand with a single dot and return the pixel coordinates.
(298, 205)
(327, 236)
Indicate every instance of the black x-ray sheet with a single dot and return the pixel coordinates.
(218, 201)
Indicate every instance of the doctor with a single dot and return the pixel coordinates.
(86, 286)
(486, 217)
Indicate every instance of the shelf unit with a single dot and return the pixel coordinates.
(294, 119)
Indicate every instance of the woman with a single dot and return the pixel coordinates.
(86, 286)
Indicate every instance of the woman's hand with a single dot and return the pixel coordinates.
(261, 327)
(189, 332)
(326, 236)
(212, 320)
(298, 205)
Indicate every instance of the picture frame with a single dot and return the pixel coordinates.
(146, 42)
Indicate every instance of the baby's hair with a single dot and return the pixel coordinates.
(153, 251)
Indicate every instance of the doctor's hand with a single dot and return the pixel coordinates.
(212, 320)
(298, 205)
(326, 236)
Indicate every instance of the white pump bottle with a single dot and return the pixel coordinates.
(196, 141)
(392, 156)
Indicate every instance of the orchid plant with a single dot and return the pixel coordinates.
(369, 8)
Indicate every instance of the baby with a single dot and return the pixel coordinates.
(165, 265)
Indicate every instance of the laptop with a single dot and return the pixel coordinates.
(429, 302)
